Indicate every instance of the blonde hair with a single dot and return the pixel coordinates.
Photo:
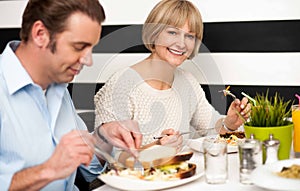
(172, 13)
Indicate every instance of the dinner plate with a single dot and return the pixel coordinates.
(124, 183)
(196, 144)
(265, 176)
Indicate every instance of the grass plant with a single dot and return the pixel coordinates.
(270, 111)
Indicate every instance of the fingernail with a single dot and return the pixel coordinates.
(242, 106)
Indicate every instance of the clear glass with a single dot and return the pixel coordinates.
(250, 155)
(296, 136)
(215, 161)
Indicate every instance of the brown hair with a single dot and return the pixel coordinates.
(174, 13)
(54, 14)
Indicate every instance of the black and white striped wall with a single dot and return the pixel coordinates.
(253, 46)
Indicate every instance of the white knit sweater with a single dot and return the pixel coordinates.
(183, 107)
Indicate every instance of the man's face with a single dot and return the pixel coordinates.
(73, 48)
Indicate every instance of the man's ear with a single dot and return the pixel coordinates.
(40, 34)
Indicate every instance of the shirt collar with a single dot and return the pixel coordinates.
(12, 67)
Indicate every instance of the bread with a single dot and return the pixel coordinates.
(160, 163)
(181, 157)
(159, 155)
(187, 173)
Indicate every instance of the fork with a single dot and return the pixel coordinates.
(113, 164)
(138, 166)
(227, 92)
(202, 132)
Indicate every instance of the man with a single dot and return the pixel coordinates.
(42, 139)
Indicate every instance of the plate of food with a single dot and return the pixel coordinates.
(281, 175)
(160, 173)
(232, 139)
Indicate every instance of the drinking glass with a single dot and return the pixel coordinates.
(250, 157)
(296, 137)
(215, 160)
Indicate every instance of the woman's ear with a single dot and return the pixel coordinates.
(40, 35)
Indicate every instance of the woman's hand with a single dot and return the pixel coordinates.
(171, 138)
(238, 113)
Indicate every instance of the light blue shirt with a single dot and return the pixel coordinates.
(32, 123)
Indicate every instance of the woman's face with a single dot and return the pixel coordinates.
(174, 45)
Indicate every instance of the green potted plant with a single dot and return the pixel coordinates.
(271, 115)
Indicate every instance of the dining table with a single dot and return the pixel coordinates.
(232, 184)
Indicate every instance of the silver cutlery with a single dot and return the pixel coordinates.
(227, 92)
(202, 132)
(112, 163)
(138, 166)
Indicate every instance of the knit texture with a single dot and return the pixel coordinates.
(183, 107)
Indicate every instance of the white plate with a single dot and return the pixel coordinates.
(123, 183)
(265, 176)
(196, 144)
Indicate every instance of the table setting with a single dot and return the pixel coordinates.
(198, 180)
(254, 162)
(262, 178)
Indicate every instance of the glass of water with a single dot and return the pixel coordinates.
(215, 160)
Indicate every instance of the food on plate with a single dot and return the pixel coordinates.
(160, 163)
(290, 172)
(161, 173)
(232, 138)
(153, 156)
(159, 155)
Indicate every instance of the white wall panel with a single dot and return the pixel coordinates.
(135, 11)
(231, 68)
(212, 68)
(11, 13)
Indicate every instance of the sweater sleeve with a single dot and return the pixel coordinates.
(204, 115)
(112, 100)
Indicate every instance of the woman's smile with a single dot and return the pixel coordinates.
(177, 52)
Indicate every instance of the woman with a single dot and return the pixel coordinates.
(161, 97)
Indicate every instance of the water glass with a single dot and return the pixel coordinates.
(215, 160)
(250, 155)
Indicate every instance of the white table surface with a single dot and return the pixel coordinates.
(232, 184)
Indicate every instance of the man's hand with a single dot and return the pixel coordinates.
(73, 150)
(122, 134)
